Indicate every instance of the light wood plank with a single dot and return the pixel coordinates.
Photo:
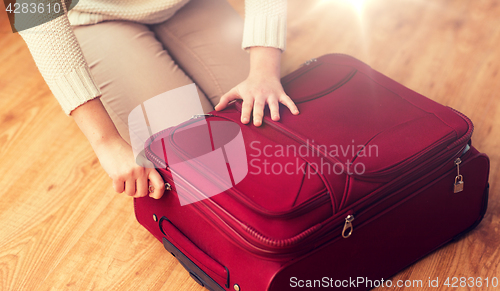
(63, 227)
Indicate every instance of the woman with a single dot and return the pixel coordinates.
(106, 57)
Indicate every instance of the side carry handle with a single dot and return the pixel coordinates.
(198, 257)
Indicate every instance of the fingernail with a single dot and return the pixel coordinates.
(244, 120)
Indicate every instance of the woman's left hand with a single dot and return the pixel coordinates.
(262, 87)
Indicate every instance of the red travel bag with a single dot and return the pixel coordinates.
(367, 179)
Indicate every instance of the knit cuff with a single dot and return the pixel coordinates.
(74, 89)
(79, 18)
(263, 30)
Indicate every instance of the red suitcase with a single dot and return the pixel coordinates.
(369, 178)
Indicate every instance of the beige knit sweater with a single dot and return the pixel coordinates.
(59, 58)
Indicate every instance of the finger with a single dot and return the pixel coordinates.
(142, 187)
(118, 185)
(226, 98)
(258, 111)
(130, 187)
(159, 185)
(274, 108)
(246, 110)
(287, 101)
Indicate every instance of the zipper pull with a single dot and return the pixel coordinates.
(348, 226)
(201, 115)
(309, 61)
(459, 180)
(168, 187)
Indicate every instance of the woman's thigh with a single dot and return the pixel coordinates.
(204, 38)
(130, 66)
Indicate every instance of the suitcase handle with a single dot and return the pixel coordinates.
(196, 255)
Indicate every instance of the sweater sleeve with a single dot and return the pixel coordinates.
(59, 58)
(265, 23)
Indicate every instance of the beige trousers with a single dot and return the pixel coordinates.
(132, 62)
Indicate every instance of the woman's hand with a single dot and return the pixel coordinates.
(117, 159)
(262, 87)
(116, 155)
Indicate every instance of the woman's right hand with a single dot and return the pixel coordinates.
(115, 154)
(116, 158)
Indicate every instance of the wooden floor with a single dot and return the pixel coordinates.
(63, 228)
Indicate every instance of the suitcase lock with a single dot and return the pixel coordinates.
(459, 180)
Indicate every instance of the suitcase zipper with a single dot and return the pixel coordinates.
(348, 220)
(200, 115)
(373, 200)
(263, 240)
(308, 62)
(283, 245)
(286, 246)
(289, 246)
